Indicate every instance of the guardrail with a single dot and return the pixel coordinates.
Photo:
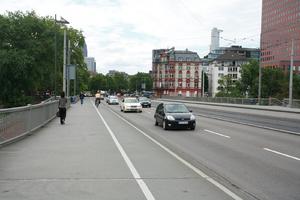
(243, 101)
(16, 123)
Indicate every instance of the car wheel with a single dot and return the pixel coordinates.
(165, 125)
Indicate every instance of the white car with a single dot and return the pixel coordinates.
(112, 100)
(130, 104)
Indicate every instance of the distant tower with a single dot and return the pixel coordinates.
(215, 39)
(84, 50)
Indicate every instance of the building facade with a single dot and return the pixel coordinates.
(91, 64)
(215, 39)
(280, 25)
(227, 61)
(176, 73)
(227, 64)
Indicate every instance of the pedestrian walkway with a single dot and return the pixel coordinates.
(77, 160)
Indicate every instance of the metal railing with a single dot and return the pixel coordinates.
(243, 101)
(15, 123)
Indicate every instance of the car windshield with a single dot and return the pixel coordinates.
(130, 100)
(144, 99)
(176, 108)
(113, 97)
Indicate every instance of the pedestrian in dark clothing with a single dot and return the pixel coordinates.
(81, 96)
(62, 106)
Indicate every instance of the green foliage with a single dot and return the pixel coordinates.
(228, 88)
(27, 47)
(249, 79)
(136, 81)
(296, 86)
(120, 82)
(275, 83)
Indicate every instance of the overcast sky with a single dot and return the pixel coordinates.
(121, 34)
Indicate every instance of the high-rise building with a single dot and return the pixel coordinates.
(215, 39)
(91, 64)
(176, 73)
(280, 25)
(84, 50)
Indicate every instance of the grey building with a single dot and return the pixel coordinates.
(91, 64)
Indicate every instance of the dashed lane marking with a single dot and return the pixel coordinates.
(217, 133)
(283, 154)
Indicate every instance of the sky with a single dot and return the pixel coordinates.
(121, 34)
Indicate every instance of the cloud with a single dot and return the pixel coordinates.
(121, 34)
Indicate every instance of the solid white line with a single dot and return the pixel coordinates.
(134, 172)
(198, 171)
(283, 154)
(217, 133)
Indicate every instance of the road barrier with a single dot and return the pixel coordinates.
(242, 101)
(16, 123)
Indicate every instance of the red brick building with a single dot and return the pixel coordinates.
(279, 26)
(176, 73)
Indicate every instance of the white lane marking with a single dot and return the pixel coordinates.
(283, 154)
(134, 172)
(217, 133)
(189, 165)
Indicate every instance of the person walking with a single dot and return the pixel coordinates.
(62, 106)
(81, 96)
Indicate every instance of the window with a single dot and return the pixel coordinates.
(188, 68)
(179, 75)
(220, 75)
(188, 75)
(221, 68)
(179, 67)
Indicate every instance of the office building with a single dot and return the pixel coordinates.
(280, 25)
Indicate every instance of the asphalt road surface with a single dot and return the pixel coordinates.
(107, 154)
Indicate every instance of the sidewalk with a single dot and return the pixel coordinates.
(77, 160)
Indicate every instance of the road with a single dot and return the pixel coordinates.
(106, 154)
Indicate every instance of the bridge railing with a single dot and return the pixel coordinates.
(243, 101)
(16, 123)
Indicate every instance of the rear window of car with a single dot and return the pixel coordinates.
(176, 108)
(131, 100)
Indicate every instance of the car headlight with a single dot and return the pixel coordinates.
(170, 117)
(192, 117)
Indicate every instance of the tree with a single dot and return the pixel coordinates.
(27, 57)
(249, 79)
(296, 86)
(227, 87)
(120, 81)
(136, 82)
(273, 81)
(97, 82)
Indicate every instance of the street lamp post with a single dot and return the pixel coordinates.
(291, 76)
(64, 22)
(259, 74)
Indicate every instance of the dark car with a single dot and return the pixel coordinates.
(145, 102)
(174, 116)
